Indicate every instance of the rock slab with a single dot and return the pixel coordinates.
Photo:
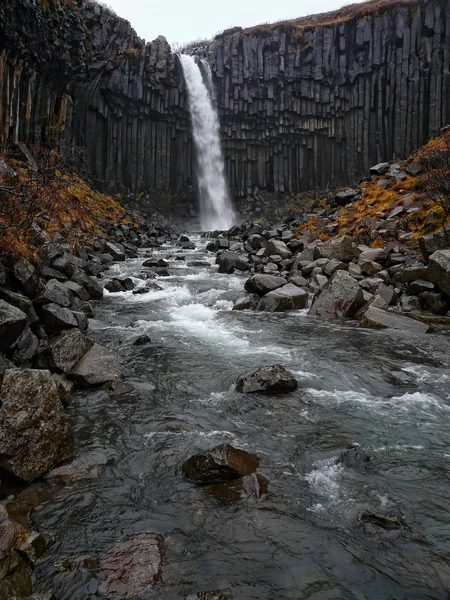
(271, 379)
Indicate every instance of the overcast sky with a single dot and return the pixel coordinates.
(188, 20)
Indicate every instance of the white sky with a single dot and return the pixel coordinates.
(183, 21)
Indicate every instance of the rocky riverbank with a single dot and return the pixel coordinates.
(45, 307)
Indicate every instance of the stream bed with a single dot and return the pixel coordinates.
(387, 391)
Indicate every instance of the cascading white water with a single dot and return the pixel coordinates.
(216, 211)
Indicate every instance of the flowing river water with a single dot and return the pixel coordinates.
(383, 390)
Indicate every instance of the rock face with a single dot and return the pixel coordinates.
(34, 430)
(132, 566)
(267, 380)
(340, 297)
(222, 463)
(338, 94)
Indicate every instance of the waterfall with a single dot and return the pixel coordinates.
(216, 211)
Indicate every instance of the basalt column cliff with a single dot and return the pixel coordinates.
(303, 104)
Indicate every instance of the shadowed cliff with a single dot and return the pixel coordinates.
(303, 104)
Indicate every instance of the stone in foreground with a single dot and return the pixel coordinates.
(382, 319)
(340, 297)
(222, 463)
(288, 297)
(271, 379)
(214, 595)
(97, 366)
(34, 431)
(132, 566)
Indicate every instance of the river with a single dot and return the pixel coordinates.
(383, 390)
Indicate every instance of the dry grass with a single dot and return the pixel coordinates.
(344, 14)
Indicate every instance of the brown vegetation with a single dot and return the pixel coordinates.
(37, 200)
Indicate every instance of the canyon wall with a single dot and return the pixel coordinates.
(304, 104)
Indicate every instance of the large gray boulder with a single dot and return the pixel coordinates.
(12, 322)
(221, 463)
(90, 284)
(65, 350)
(247, 302)
(115, 250)
(277, 248)
(25, 347)
(341, 296)
(34, 431)
(19, 301)
(55, 318)
(439, 269)
(132, 566)
(96, 367)
(227, 262)
(262, 284)
(288, 297)
(270, 379)
(27, 277)
(55, 292)
(343, 249)
(382, 319)
(428, 244)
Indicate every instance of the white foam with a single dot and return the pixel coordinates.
(324, 478)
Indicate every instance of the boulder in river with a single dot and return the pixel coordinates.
(65, 350)
(377, 318)
(288, 297)
(383, 521)
(271, 379)
(132, 566)
(262, 284)
(340, 297)
(221, 463)
(35, 434)
(354, 456)
(97, 366)
(251, 487)
(247, 302)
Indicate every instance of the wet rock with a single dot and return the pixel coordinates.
(155, 263)
(382, 319)
(221, 463)
(36, 546)
(277, 247)
(82, 320)
(271, 379)
(65, 350)
(132, 566)
(149, 287)
(341, 296)
(439, 269)
(88, 466)
(77, 289)
(198, 263)
(27, 277)
(90, 284)
(56, 318)
(288, 297)
(343, 249)
(114, 286)
(97, 366)
(227, 262)
(15, 576)
(384, 521)
(141, 340)
(115, 250)
(34, 430)
(12, 323)
(247, 302)
(55, 292)
(354, 456)
(262, 284)
(85, 307)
